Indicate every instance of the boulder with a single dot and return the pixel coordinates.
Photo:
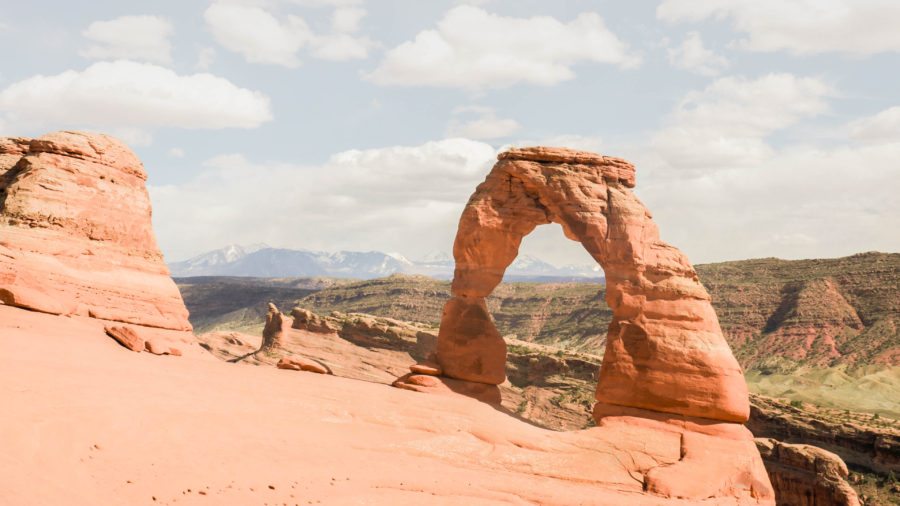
(161, 347)
(295, 363)
(127, 337)
(305, 319)
(804, 475)
(427, 368)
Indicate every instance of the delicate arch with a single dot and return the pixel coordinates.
(665, 350)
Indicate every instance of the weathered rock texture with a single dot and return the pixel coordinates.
(368, 331)
(665, 350)
(273, 332)
(76, 236)
(127, 337)
(804, 475)
(76, 233)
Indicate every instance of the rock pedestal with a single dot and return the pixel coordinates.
(274, 330)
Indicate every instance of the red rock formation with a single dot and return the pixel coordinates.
(659, 458)
(361, 442)
(665, 351)
(76, 236)
(804, 475)
(295, 363)
(76, 233)
(273, 332)
(307, 320)
(127, 337)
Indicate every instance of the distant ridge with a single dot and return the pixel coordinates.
(263, 261)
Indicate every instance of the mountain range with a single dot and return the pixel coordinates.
(260, 260)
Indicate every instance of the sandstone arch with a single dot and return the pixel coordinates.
(665, 350)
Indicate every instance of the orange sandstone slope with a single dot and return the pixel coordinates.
(88, 422)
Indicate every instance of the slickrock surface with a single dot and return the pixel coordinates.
(553, 389)
(721, 453)
(126, 427)
(665, 350)
(76, 235)
(804, 475)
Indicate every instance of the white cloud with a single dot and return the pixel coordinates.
(130, 37)
(796, 202)
(726, 123)
(480, 123)
(884, 126)
(743, 197)
(800, 26)
(205, 58)
(261, 37)
(358, 199)
(327, 3)
(125, 94)
(474, 49)
(176, 152)
(692, 55)
(347, 19)
(256, 34)
(340, 47)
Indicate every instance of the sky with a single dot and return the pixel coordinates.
(759, 128)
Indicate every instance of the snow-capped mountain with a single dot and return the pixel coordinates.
(235, 260)
(263, 261)
(216, 259)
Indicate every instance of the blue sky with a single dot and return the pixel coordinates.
(759, 128)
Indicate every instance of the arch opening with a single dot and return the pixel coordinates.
(665, 351)
(567, 259)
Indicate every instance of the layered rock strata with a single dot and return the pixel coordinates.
(76, 236)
